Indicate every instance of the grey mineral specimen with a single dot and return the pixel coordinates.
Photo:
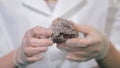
(62, 30)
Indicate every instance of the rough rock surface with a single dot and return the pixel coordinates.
(62, 30)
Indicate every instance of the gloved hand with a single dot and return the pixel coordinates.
(94, 44)
(33, 45)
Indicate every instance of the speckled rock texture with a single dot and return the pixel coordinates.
(62, 30)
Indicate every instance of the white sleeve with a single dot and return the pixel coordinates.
(5, 42)
(115, 33)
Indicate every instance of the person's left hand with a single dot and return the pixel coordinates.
(93, 45)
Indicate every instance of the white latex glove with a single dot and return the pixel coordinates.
(93, 45)
(35, 42)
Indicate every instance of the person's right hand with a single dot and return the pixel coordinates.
(35, 42)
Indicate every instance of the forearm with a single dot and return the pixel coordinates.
(7, 61)
(111, 60)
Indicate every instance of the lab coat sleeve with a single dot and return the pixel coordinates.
(115, 32)
(5, 42)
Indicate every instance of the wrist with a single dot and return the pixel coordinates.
(19, 58)
(111, 59)
(111, 51)
(103, 52)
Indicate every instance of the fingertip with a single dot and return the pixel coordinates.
(49, 32)
(77, 59)
(68, 55)
(34, 58)
(43, 49)
(76, 42)
(86, 29)
(73, 40)
(51, 43)
(70, 58)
